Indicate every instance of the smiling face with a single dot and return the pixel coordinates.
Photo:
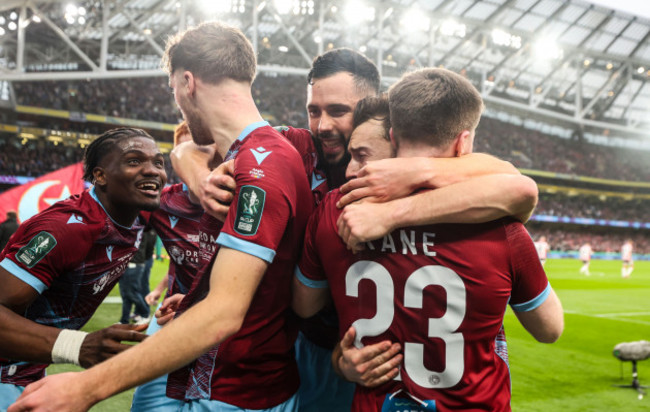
(330, 106)
(367, 143)
(130, 178)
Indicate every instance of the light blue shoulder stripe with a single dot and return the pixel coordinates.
(23, 275)
(248, 129)
(245, 246)
(533, 303)
(314, 284)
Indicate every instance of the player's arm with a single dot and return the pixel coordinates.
(546, 322)
(233, 281)
(476, 200)
(388, 179)
(153, 296)
(25, 340)
(309, 298)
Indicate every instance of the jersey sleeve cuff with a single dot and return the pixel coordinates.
(533, 303)
(13, 268)
(314, 284)
(245, 246)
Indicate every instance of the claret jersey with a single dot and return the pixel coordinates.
(177, 223)
(267, 219)
(72, 254)
(439, 290)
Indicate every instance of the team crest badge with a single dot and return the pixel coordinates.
(249, 210)
(36, 249)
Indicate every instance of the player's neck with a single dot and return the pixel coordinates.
(228, 112)
(422, 150)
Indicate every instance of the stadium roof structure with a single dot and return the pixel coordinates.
(574, 61)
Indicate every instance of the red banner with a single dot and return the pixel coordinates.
(30, 198)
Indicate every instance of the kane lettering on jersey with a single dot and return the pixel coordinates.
(177, 223)
(267, 219)
(72, 254)
(439, 290)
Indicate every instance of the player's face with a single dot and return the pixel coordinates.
(330, 106)
(132, 176)
(198, 129)
(367, 144)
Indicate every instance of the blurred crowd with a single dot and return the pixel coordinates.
(531, 149)
(610, 208)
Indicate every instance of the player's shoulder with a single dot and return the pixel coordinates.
(294, 134)
(77, 213)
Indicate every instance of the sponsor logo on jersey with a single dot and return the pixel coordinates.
(36, 249)
(256, 173)
(109, 252)
(260, 154)
(173, 220)
(177, 255)
(76, 219)
(249, 210)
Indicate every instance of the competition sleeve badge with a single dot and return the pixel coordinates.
(36, 249)
(249, 210)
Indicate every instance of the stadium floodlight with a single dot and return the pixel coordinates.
(363, 49)
(217, 7)
(415, 19)
(318, 39)
(2, 31)
(586, 63)
(451, 28)
(13, 15)
(503, 38)
(640, 70)
(12, 25)
(609, 66)
(547, 49)
(36, 19)
(81, 20)
(283, 6)
(261, 6)
(283, 49)
(71, 9)
(356, 12)
(2, 20)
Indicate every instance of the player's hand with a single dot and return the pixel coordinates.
(362, 222)
(168, 309)
(105, 343)
(217, 190)
(152, 297)
(54, 393)
(384, 180)
(371, 365)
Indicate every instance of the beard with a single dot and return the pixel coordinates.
(199, 130)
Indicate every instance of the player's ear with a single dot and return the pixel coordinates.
(190, 82)
(99, 176)
(463, 143)
(393, 143)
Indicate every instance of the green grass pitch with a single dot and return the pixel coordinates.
(577, 373)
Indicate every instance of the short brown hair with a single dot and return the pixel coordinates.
(180, 130)
(433, 106)
(213, 52)
(373, 107)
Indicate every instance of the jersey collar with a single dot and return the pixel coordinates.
(94, 196)
(234, 148)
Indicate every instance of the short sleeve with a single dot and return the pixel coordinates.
(44, 248)
(309, 270)
(264, 202)
(530, 286)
